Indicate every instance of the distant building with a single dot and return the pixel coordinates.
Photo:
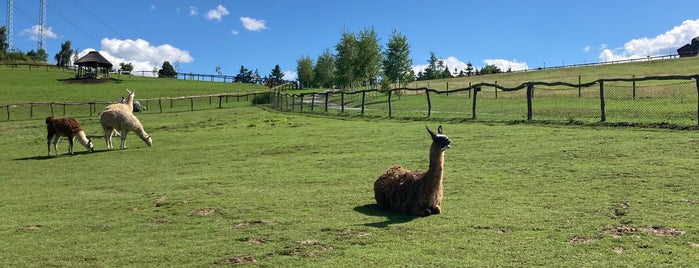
(689, 50)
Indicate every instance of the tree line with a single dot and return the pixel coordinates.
(359, 61)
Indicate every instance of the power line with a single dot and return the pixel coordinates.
(98, 19)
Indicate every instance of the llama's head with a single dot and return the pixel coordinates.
(90, 147)
(131, 94)
(439, 139)
(149, 140)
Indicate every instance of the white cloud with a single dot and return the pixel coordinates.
(142, 55)
(193, 11)
(290, 75)
(253, 24)
(33, 33)
(234, 32)
(217, 13)
(453, 62)
(506, 65)
(586, 49)
(664, 44)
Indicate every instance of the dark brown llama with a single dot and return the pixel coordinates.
(58, 127)
(411, 191)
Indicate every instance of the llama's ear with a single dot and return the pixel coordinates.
(429, 131)
(127, 90)
(439, 129)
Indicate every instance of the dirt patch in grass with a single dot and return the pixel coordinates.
(89, 80)
(204, 212)
(651, 230)
(254, 240)
(307, 248)
(32, 227)
(161, 201)
(236, 260)
(248, 223)
(582, 240)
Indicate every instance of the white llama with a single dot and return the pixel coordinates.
(126, 106)
(123, 122)
(58, 127)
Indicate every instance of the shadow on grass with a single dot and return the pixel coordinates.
(46, 157)
(391, 217)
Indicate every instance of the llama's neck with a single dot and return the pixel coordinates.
(82, 138)
(141, 133)
(129, 100)
(433, 176)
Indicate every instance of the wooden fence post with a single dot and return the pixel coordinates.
(160, 104)
(220, 102)
(313, 101)
(31, 111)
(191, 104)
(579, 87)
(327, 96)
(302, 102)
(603, 116)
(8, 112)
(696, 79)
(473, 108)
(363, 97)
(51, 108)
(389, 103)
(530, 94)
(342, 102)
(633, 80)
(429, 102)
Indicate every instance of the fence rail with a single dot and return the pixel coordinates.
(672, 99)
(25, 111)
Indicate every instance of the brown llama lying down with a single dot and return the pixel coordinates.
(58, 127)
(411, 191)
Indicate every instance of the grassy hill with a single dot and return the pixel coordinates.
(257, 187)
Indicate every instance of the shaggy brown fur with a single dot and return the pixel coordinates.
(415, 192)
(58, 127)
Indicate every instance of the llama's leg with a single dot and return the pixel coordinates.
(56, 139)
(70, 145)
(422, 212)
(123, 139)
(48, 143)
(108, 138)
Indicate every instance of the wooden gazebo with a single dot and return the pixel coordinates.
(93, 65)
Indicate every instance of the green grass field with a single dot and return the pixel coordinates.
(252, 186)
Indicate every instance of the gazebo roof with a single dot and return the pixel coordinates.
(93, 59)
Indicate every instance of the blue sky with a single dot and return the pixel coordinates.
(198, 36)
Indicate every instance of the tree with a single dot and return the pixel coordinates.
(304, 69)
(167, 71)
(243, 76)
(324, 71)
(345, 59)
(490, 69)
(63, 57)
(219, 71)
(127, 67)
(431, 71)
(38, 56)
(276, 77)
(397, 65)
(446, 73)
(4, 46)
(369, 57)
(469, 69)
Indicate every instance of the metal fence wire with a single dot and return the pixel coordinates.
(665, 100)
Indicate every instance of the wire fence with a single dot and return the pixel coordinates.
(28, 111)
(659, 100)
